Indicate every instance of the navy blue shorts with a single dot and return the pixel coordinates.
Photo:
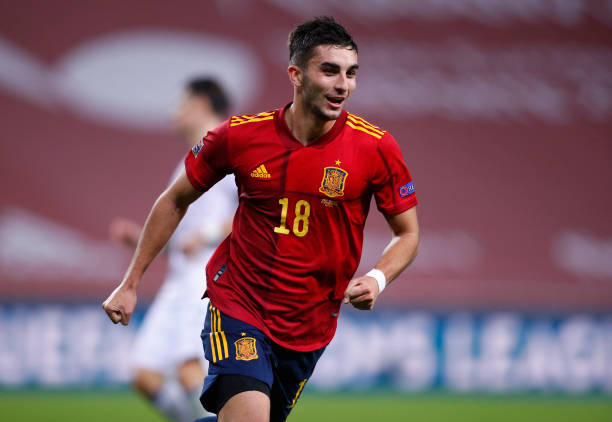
(233, 347)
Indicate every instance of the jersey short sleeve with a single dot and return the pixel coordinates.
(209, 161)
(393, 186)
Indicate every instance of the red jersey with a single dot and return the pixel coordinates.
(298, 231)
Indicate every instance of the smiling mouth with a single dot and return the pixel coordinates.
(335, 101)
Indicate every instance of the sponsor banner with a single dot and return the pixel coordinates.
(412, 351)
(469, 352)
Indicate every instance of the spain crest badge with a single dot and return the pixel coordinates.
(246, 348)
(333, 181)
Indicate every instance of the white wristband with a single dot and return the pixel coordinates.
(380, 278)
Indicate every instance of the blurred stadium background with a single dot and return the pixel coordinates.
(503, 111)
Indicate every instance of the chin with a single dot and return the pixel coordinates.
(327, 114)
(334, 115)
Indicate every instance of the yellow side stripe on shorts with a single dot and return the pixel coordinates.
(216, 335)
(226, 354)
(218, 320)
(224, 344)
(212, 347)
(218, 342)
(212, 321)
(213, 331)
(215, 319)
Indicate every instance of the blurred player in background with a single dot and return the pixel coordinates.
(306, 174)
(168, 355)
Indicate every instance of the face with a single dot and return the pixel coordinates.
(328, 80)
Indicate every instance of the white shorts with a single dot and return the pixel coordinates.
(170, 331)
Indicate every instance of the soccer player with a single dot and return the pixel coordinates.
(168, 358)
(306, 174)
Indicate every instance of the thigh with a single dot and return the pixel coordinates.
(291, 373)
(233, 347)
(252, 406)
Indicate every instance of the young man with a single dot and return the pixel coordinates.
(306, 174)
(168, 358)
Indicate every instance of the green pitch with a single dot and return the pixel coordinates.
(118, 406)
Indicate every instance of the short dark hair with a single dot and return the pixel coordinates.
(210, 88)
(322, 30)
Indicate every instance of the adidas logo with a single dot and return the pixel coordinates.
(261, 173)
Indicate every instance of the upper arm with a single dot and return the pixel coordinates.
(391, 180)
(209, 161)
(181, 191)
(404, 223)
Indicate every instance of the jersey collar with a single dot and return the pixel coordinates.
(292, 142)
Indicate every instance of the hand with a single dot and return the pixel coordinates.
(362, 292)
(120, 304)
(124, 232)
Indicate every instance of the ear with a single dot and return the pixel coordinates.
(295, 75)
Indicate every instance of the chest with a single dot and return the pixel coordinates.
(338, 170)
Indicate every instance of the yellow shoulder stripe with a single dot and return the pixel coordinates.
(369, 126)
(365, 122)
(364, 129)
(239, 122)
(250, 118)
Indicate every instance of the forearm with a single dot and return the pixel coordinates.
(363, 291)
(398, 254)
(161, 223)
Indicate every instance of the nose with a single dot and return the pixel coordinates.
(341, 85)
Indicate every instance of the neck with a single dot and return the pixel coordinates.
(304, 124)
